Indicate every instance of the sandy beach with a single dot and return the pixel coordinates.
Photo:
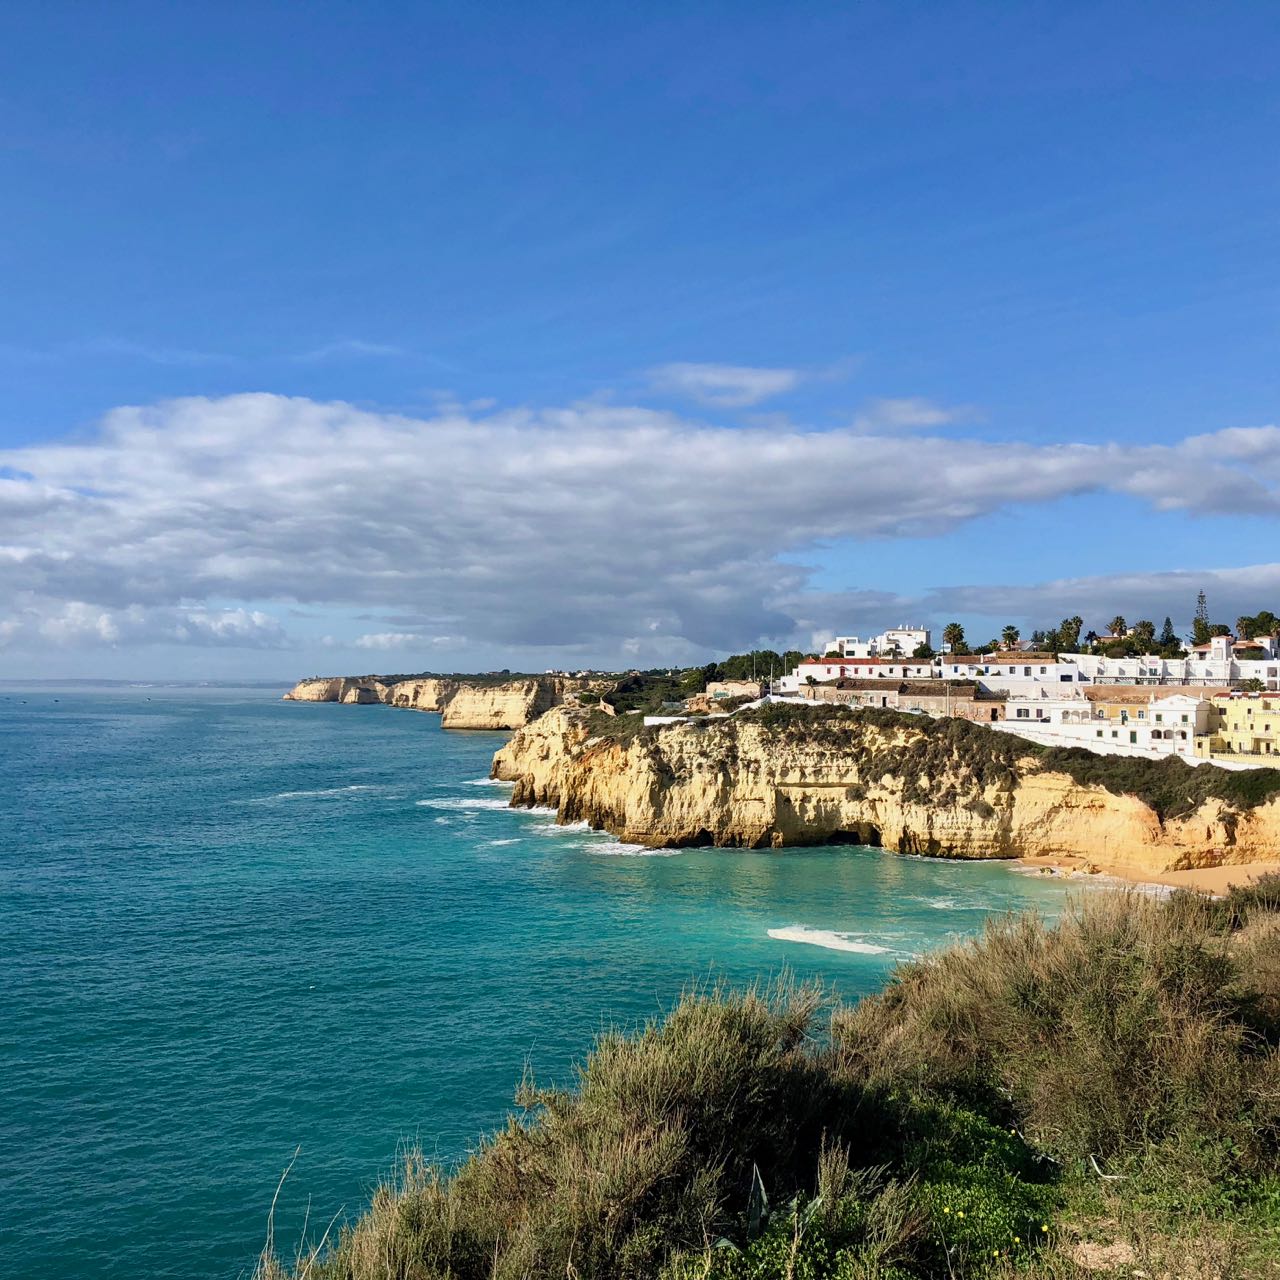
(1206, 879)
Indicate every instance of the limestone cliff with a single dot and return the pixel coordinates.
(427, 694)
(504, 706)
(348, 689)
(910, 784)
(464, 704)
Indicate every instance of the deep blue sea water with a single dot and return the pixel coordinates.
(232, 927)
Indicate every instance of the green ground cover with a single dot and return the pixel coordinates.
(1099, 1096)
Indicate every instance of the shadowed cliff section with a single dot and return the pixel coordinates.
(784, 775)
(467, 702)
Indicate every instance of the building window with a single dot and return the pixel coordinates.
(1099, 733)
(1159, 717)
(1133, 737)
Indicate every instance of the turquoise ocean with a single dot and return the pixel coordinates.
(232, 928)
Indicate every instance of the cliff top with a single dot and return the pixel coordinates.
(918, 749)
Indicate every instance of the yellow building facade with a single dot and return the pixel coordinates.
(1247, 726)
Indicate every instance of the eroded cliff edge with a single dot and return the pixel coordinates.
(463, 704)
(908, 783)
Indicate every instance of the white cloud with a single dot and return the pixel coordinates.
(38, 621)
(1096, 598)
(726, 386)
(1230, 593)
(577, 528)
(909, 413)
(388, 640)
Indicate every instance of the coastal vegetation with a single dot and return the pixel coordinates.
(1098, 1096)
(1170, 786)
(928, 748)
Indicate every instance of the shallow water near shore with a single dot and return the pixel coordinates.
(233, 927)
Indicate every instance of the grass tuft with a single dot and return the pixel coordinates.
(1102, 1094)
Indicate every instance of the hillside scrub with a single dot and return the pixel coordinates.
(923, 749)
(1109, 1083)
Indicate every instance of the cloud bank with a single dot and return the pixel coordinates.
(598, 529)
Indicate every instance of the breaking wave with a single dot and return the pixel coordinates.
(463, 803)
(832, 940)
(323, 791)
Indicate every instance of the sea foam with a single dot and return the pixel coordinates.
(463, 803)
(829, 938)
(324, 791)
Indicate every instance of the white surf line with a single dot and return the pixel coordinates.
(828, 938)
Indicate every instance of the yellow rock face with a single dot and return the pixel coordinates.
(463, 704)
(337, 689)
(739, 784)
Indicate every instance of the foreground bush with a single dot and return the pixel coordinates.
(1119, 1067)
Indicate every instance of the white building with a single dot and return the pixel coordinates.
(821, 670)
(1154, 727)
(1213, 664)
(904, 640)
(1021, 674)
(1017, 674)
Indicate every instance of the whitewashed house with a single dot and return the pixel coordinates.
(1119, 722)
(822, 670)
(904, 640)
(1215, 663)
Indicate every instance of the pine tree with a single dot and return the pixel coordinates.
(1200, 625)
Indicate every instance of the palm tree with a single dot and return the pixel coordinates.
(953, 634)
(1119, 628)
(1010, 636)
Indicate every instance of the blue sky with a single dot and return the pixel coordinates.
(646, 240)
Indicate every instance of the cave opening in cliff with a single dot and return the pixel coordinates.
(864, 834)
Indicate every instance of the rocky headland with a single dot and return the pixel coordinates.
(479, 703)
(785, 776)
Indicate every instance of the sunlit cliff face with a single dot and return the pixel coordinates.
(739, 784)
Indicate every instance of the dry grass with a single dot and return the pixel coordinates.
(922, 1133)
(1132, 1023)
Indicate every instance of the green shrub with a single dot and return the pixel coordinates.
(952, 1127)
(1130, 1023)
